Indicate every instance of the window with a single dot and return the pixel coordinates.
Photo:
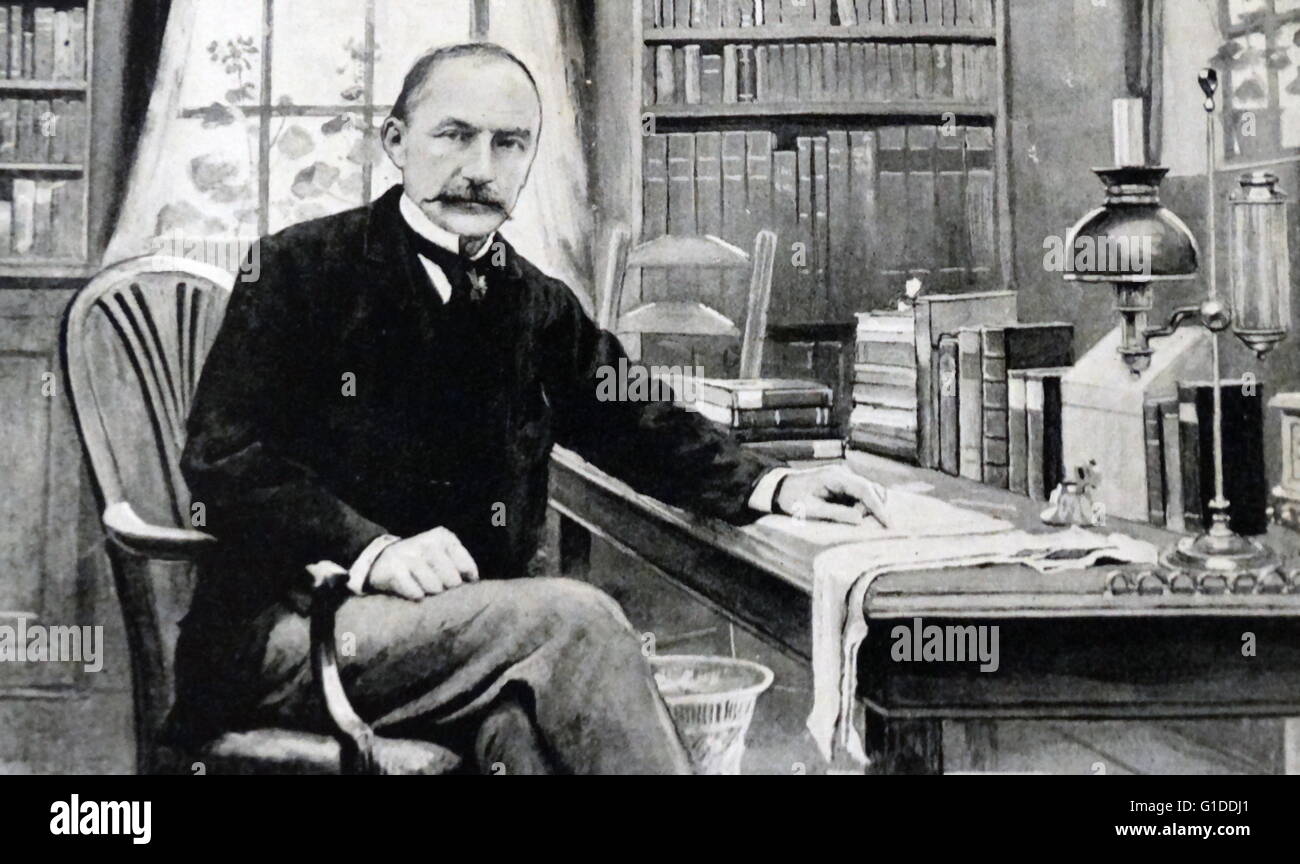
(1259, 66)
(276, 128)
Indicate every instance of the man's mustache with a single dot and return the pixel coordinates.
(470, 196)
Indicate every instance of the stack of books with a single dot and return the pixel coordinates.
(770, 409)
(1180, 456)
(884, 418)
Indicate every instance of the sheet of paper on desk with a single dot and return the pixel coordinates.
(909, 515)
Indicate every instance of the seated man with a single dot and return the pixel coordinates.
(384, 398)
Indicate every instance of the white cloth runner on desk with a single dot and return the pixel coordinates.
(842, 576)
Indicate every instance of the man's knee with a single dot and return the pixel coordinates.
(578, 608)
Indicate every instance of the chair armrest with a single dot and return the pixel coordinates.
(356, 738)
(126, 529)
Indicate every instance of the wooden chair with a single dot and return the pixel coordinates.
(134, 344)
(689, 317)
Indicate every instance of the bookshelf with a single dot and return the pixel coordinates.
(46, 63)
(893, 79)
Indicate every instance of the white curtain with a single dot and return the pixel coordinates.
(193, 189)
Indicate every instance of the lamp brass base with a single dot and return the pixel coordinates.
(1222, 554)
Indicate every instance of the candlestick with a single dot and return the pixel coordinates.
(1130, 132)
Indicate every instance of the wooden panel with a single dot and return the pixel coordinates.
(39, 479)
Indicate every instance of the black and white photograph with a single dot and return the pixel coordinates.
(650, 387)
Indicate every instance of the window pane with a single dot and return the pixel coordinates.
(1285, 58)
(319, 51)
(225, 59)
(405, 29)
(207, 185)
(315, 167)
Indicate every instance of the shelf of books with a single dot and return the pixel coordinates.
(870, 135)
(45, 121)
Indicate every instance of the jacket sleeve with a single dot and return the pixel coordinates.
(238, 459)
(658, 448)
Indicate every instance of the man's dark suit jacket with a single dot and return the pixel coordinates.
(292, 469)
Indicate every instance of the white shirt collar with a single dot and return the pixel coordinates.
(434, 233)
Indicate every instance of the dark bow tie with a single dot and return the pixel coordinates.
(467, 284)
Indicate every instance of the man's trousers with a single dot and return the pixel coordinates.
(532, 675)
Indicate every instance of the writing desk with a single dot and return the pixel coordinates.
(1070, 649)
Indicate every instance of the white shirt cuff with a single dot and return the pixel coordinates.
(764, 490)
(360, 568)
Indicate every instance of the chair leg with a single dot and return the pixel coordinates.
(898, 746)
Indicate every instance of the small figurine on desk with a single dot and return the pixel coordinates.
(911, 290)
(1071, 502)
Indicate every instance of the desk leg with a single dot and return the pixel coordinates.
(904, 746)
(1291, 745)
(575, 549)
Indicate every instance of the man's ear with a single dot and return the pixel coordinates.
(393, 136)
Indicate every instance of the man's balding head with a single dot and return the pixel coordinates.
(464, 132)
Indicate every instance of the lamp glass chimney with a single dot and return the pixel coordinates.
(1259, 262)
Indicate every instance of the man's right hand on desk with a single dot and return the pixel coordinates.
(419, 566)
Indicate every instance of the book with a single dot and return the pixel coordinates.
(1017, 433)
(924, 71)
(820, 229)
(753, 393)
(758, 184)
(949, 411)
(952, 251)
(77, 37)
(922, 238)
(786, 278)
(652, 14)
(935, 315)
(654, 210)
(29, 54)
(844, 71)
(941, 77)
(891, 210)
(893, 376)
(762, 87)
(4, 47)
(846, 12)
(24, 217)
(43, 42)
(884, 395)
(8, 130)
(803, 72)
(649, 76)
(730, 71)
(1152, 417)
(970, 404)
(1171, 460)
(993, 364)
(58, 141)
(1043, 431)
(805, 302)
(793, 451)
(830, 72)
(883, 431)
(74, 130)
(27, 131)
(665, 83)
(862, 290)
(711, 285)
(780, 433)
(15, 41)
(980, 220)
(681, 184)
(6, 227)
(43, 128)
(1244, 477)
(903, 71)
(1189, 461)
(756, 418)
(745, 73)
(840, 232)
(735, 216)
(691, 82)
(70, 218)
(697, 13)
(42, 228)
(886, 352)
(711, 79)
(681, 12)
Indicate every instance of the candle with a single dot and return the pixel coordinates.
(1130, 132)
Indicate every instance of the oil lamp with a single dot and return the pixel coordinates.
(1257, 311)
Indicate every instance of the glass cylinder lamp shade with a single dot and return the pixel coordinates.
(1259, 262)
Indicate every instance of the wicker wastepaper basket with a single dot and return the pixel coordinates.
(712, 702)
